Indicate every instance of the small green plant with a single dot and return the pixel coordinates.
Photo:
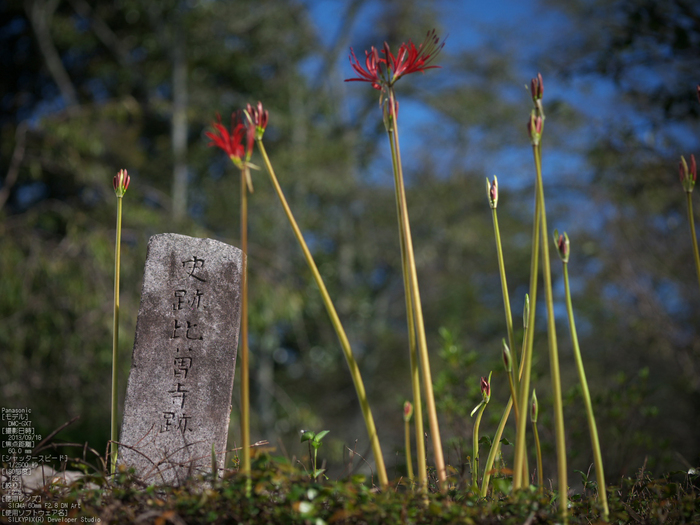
(314, 441)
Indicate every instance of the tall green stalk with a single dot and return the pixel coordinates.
(245, 373)
(689, 175)
(415, 292)
(415, 375)
(120, 183)
(519, 477)
(553, 351)
(562, 243)
(342, 337)
(514, 371)
(492, 189)
(691, 221)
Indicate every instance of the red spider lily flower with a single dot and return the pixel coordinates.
(258, 118)
(232, 143)
(411, 59)
(688, 174)
(121, 182)
(384, 72)
(407, 411)
(374, 73)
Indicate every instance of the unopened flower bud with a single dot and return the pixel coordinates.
(526, 312)
(257, 116)
(537, 87)
(121, 183)
(688, 174)
(486, 388)
(562, 243)
(534, 128)
(492, 192)
(507, 358)
(534, 408)
(407, 411)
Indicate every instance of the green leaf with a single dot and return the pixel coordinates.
(307, 435)
(321, 435)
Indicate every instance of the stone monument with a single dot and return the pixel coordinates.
(178, 398)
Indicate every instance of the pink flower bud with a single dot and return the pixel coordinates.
(120, 182)
(534, 128)
(537, 87)
(485, 389)
(534, 408)
(562, 243)
(407, 411)
(492, 192)
(688, 175)
(257, 116)
(507, 358)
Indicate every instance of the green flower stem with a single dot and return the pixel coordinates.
(553, 352)
(691, 220)
(475, 446)
(115, 342)
(540, 475)
(513, 379)
(342, 337)
(499, 433)
(519, 477)
(495, 446)
(418, 311)
(415, 375)
(409, 460)
(592, 427)
(245, 375)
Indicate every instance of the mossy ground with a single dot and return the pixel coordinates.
(282, 494)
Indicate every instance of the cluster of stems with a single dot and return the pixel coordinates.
(520, 478)
(383, 73)
(414, 311)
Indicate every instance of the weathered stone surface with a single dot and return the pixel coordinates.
(178, 398)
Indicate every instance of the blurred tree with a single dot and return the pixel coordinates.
(638, 63)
